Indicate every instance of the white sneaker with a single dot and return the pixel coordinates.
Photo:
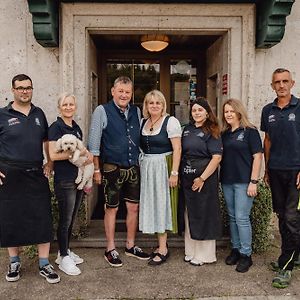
(195, 262)
(77, 259)
(188, 258)
(68, 266)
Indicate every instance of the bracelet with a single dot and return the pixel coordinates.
(174, 173)
(97, 171)
(254, 181)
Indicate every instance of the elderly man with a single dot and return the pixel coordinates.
(114, 140)
(25, 207)
(281, 123)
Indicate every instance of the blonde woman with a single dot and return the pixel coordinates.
(240, 167)
(161, 146)
(65, 173)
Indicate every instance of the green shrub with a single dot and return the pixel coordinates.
(261, 215)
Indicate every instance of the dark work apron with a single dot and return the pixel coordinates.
(203, 207)
(25, 205)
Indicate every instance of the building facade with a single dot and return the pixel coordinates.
(217, 49)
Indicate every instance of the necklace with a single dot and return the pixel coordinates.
(153, 123)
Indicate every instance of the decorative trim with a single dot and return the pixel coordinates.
(271, 18)
(45, 21)
(271, 21)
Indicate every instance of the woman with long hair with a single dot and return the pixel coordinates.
(201, 155)
(240, 168)
(159, 165)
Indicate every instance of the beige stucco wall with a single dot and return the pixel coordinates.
(20, 53)
(285, 54)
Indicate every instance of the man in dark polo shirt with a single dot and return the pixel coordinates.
(25, 207)
(280, 121)
(114, 140)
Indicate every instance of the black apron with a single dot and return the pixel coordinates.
(25, 206)
(203, 207)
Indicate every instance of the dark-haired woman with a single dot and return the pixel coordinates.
(201, 155)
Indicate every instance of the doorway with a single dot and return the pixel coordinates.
(177, 71)
(92, 31)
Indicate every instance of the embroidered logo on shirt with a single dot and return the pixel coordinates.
(271, 118)
(292, 117)
(186, 133)
(201, 134)
(37, 122)
(13, 121)
(240, 137)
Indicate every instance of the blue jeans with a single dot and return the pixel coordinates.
(239, 207)
(69, 200)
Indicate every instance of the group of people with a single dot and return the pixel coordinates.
(142, 158)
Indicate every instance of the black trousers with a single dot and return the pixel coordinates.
(285, 198)
(69, 200)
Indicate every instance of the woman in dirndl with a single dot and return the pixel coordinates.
(201, 155)
(159, 165)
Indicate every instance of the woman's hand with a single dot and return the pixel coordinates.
(173, 181)
(90, 158)
(198, 184)
(48, 168)
(252, 190)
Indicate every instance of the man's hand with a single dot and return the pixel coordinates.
(48, 168)
(97, 177)
(1, 176)
(298, 181)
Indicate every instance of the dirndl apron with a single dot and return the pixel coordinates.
(203, 207)
(25, 205)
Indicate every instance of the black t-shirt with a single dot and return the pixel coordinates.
(238, 149)
(63, 169)
(283, 128)
(21, 136)
(198, 144)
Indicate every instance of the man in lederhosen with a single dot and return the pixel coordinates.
(25, 205)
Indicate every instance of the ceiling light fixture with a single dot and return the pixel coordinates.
(154, 42)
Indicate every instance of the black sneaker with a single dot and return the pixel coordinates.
(233, 257)
(112, 257)
(244, 264)
(48, 272)
(137, 252)
(13, 273)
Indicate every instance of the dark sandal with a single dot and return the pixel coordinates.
(163, 259)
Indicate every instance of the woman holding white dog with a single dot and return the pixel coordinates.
(68, 196)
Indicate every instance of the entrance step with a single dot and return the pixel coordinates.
(96, 238)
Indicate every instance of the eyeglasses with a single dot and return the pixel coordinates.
(23, 89)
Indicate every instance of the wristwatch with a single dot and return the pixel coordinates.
(254, 181)
(174, 173)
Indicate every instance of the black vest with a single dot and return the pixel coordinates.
(120, 139)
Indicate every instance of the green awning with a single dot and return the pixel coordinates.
(270, 18)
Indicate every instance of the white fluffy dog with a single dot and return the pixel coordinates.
(69, 142)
